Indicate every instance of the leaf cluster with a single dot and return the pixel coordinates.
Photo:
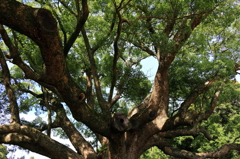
(3, 152)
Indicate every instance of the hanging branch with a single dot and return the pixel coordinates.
(10, 92)
(45, 99)
(116, 54)
(80, 24)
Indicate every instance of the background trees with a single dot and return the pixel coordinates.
(83, 59)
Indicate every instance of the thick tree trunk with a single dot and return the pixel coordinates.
(124, 147)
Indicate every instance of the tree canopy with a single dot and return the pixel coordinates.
(79, 63)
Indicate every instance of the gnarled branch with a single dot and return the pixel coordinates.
(25, 136)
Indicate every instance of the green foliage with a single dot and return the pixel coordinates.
(3, 152)
(16, 72)
(154, 153)
(102, 148)
(211, 52)
(134, 85)
(223, 126)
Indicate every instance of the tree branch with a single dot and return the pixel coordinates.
(194, 94)
(124, 6)
(89, 91)
(184, 132)
(165, 146)
(78, 141)
(116, 56)
(190, 155)
(115, 98)
(144, 48)
(185, 116)
(69, 9)
(157, 105)
(30, 92)
(78, 28)
(46, 102)
(205, 115)
(94, 73)
(24, 142)
(143, 113)
(10, 92)
(77, 7)
(55, 124)
(53, 149)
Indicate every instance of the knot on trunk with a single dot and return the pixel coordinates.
(81, 96)
(121, 122)
(45, 20)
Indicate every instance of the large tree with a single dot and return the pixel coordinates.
(83, 57)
